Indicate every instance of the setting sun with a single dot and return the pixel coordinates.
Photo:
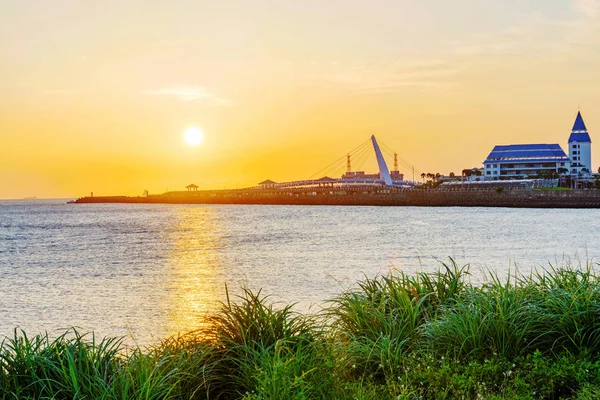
(193, 136)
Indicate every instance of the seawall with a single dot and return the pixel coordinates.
(393, 197)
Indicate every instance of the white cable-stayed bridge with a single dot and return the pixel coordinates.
(356, 176)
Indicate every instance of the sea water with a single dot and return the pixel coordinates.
(146, 271)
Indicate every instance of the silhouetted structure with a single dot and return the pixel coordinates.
(267, 184)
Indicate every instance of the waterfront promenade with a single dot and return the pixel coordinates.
(370, 196)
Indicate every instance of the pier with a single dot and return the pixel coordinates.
(386, 188)
(369, 196)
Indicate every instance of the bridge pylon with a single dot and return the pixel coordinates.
(384, 172)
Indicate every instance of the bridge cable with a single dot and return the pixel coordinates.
(339, 160)
(362, 159)
(359, 155)
(401, 160)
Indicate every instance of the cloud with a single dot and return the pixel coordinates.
(61, 91)
(425, 75)
(589, 8)
(534, 34)
(538, 33)
(190, 93)
(573, 34)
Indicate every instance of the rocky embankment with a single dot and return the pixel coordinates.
(430, 198)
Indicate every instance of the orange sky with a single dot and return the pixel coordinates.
(95, 94)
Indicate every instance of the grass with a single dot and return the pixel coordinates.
(427, 335)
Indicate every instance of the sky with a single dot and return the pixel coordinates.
(95, 94)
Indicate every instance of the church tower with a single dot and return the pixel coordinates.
(580, 148)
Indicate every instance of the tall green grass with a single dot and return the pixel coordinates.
(493, 319)
(568, 302)
(266, 351)
(552, 311)
(379, 321)
(400, 336)
(75, 366)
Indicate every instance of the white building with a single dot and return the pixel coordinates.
(580, 148)
(518, 161)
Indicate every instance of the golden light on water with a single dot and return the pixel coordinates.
(194, 288)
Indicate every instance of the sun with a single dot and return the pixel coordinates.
(193, 136)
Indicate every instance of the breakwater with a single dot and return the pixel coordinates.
(521, 198)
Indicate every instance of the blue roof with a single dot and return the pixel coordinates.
(529, 160)
(579, 132)
(580, 137)
(579, 125)
(534, 152)
(527, 147)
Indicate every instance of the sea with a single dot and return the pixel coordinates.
(144, 272)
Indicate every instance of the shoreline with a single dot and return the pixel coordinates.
(383, 198)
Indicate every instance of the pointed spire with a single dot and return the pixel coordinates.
(579, 132)
(579, 125)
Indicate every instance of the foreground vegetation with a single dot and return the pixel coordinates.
(432, 336)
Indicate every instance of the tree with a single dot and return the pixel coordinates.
(546, 174)
(467, 172)
(451, 174)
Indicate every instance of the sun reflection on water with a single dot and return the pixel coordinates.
(195, 278)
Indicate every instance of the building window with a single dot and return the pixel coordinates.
(574, 146)
(575, 158)
(562, 164)
(487, 173)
